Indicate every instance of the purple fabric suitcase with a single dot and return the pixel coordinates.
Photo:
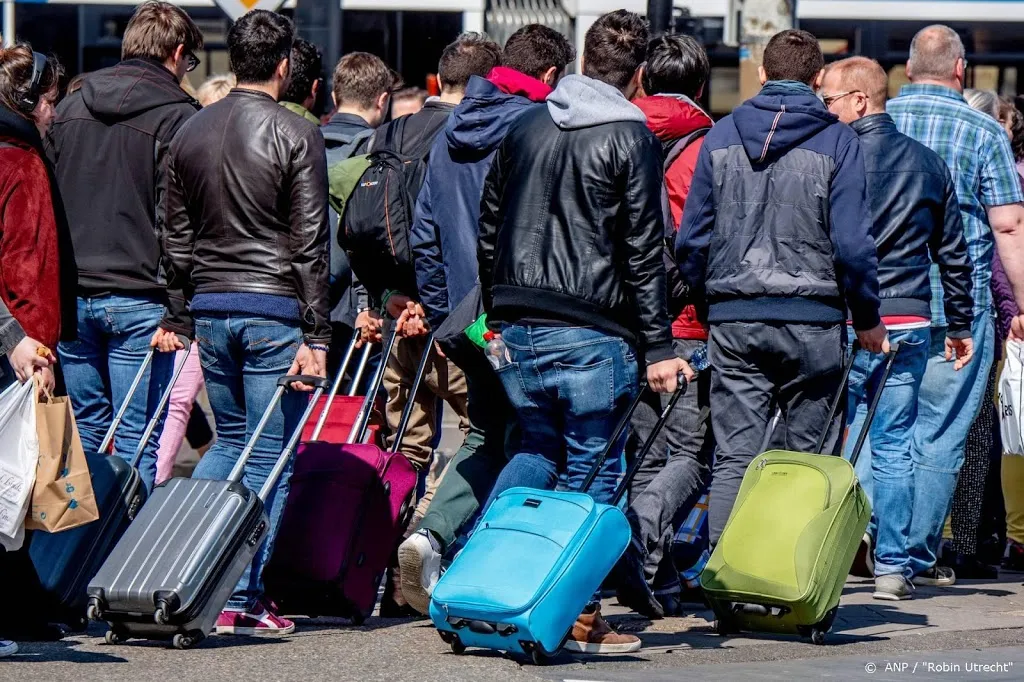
(347, 509)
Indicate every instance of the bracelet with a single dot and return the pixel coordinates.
(318, 346)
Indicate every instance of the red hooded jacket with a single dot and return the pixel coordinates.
(670, 118)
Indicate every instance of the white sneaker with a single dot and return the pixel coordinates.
(7, 648)
(419, 562)
(893, 587)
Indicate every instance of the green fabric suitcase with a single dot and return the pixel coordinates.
(787, 548)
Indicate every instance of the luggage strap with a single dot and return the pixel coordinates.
(647, 446)
(872, 408)
(319, 385)
(164, 398)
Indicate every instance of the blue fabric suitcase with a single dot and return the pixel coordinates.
(534, 562)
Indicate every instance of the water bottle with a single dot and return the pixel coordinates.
(497, 353)
(699, 360)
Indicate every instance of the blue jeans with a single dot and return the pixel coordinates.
(113, 338)
(890, 466)
(948, 404)
(242, 359)
(569, 387)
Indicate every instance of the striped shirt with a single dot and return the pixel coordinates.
(977, 151)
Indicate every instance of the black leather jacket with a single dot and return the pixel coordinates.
(571, 229)
(247, 205)
(915, 220)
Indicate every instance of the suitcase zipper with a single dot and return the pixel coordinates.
(828, 481)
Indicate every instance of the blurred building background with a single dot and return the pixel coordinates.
(410, 34)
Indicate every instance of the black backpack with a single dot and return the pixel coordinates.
(379, 214)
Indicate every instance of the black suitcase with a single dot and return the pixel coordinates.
(175, 568)
(66, 561)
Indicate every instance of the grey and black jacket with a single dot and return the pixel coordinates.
(776, 226)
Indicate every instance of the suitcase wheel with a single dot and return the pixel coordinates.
(187, 640)
(93, 611)
(115, 635)
(538, 657)
(723, 628)
(452, 640)
(161, 615)
(817, 636)
(358, 619)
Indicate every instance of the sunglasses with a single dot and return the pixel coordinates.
(830, 99)
(193, 62)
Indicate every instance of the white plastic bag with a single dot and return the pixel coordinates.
(1011, 399)
(19, 456)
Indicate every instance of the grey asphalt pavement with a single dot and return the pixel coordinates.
(971, 623)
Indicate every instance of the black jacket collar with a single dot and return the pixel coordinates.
(875, 123)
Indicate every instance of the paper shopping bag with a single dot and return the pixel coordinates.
(63, 496)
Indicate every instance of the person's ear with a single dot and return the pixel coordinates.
(550, 77)
(906, 69)
(382, 102)
(700, 91)
(961, 71)
(315, 90)
(284, 69)
(818, 80)
(762, 75)
(334, 99)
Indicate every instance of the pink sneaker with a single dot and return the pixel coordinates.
(261, 622)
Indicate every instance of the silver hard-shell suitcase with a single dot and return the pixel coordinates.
(176, 566)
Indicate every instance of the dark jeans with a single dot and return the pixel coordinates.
(470, 476)
(674, 472)
(759, 366)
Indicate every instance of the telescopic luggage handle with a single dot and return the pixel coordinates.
(336, 386)
(421, 370)
(164, 398)
(320, 385)
(362, 421)
(644, 450)
(872, 408)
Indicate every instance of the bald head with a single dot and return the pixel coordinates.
(863, 75)
(936, 54)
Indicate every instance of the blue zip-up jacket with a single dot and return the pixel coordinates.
(777, 223)
(446, 228)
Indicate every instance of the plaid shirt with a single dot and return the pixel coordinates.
(977, 151)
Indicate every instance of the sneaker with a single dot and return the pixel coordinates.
(864, 562)
(1014, 560)
(262, 621)
(593, 635)
(419, 562)
(633, 591)
(893, 587)
(936, 576)
(7, 648)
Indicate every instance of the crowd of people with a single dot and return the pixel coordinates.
(609, 230)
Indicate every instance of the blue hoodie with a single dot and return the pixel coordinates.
(777, 224)
(445, 230)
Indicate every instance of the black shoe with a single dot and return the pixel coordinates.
(633, 590)
(671, 605)
(392, 602)
(969, 567)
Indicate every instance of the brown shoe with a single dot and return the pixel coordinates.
(593, 635)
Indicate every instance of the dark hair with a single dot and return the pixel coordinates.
(257, 43)
(360, 78)
(615, 47)
(676, 64)
(307, 68)
(155, 31)
(793, 56)
(472, 54)
(16, 68)
(534, 49)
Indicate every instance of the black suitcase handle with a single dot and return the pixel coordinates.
(362, 421)
(644, 450)
(417, 380)
(872, 408)
(164, 398)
